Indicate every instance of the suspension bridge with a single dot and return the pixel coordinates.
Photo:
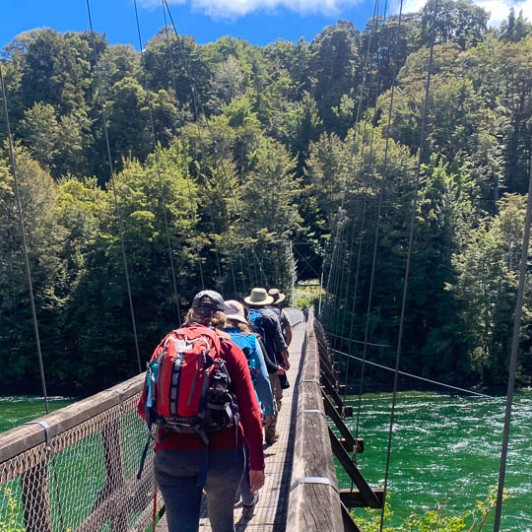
(75, 469)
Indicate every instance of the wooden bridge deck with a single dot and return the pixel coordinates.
(271, 510)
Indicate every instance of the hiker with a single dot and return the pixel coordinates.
(239, 331)
(238, 328)
(286, 328)
(191, 381)
(266, 323)
(286, 325)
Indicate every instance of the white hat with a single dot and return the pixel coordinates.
(235, 311)
(258, 298)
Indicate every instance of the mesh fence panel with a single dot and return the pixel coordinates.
(86, 480)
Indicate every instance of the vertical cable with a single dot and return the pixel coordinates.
(113, 185)
(355, 291)
(159, 177)
(409, 259)
(174, 86)
(350, 178)
(211, 134)
(513, 356)
(24, 243)
(378, 222)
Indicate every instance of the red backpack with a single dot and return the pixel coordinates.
(187, 384)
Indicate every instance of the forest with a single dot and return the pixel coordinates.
(230, 165)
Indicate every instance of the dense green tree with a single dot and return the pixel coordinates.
(257, 147)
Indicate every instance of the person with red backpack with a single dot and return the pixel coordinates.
(200, 397)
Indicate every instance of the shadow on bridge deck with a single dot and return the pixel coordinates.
(272, 508)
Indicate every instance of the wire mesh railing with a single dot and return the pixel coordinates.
(75, 469)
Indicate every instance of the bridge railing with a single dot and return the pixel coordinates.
(314, 502)
(75, 469)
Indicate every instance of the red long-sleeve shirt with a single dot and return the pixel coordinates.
(249, 427)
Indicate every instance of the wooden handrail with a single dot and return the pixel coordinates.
(314, 503)
(23, 438)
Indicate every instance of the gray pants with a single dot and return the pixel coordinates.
(278, 394)
(176, 473)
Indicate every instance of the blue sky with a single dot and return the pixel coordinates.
(258, 21)
(116, 19)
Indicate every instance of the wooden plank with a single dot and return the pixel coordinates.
(346, 411)
(112, 447)
(36, 498)
(331, 390)
(20, 439)
(370, 499)
(349, 523)
(338, 421)
(328, 375)
(132, 494)
(357, 448)
(354, 499)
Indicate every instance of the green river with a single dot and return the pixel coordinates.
(446, 452)
(445, 449)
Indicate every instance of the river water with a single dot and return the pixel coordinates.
(17, 410)
(446, 452)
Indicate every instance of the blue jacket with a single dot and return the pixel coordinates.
(259, 374)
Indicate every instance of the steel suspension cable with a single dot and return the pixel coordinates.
(113, 186)
(332, 270)
(202, 151)
(159, 177)
(378, 220)
(413, 376)
(409, 258)
(355, 291)
(360, 158)
(157, 162)
(359, 162)
(351, 178)
(350, 252)
(166, 10)
(353, 341)
(224, 206)
(336, 274)
(211, 133)
(202, 146)
(514, 352)
(347, 181)
(22, 230)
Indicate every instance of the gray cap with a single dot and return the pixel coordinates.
(209, 299)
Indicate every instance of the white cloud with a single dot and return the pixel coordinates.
(498, 9)
(231, 9)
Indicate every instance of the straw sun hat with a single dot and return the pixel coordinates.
(258, 298)
(278, 297)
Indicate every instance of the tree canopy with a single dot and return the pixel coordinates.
(226, 154)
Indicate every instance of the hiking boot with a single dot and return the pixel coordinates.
(271, 437)
(249, 509)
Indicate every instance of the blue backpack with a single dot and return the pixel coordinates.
(248, 344)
